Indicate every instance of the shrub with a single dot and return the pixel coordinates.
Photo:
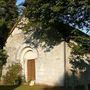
(3, 57)
(13, 75)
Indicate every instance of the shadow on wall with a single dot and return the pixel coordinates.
(51, 36)
(80, 73)
(78, 78)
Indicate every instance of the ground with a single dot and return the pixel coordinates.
(39, 87)
(26, 87)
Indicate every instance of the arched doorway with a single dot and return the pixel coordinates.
(27, 56)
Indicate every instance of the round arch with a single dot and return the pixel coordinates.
(25, 53)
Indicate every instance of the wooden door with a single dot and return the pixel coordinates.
(31, 69)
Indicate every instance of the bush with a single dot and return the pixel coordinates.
(13, 75)
(3, 57)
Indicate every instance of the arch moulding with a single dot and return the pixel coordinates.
(25, 53)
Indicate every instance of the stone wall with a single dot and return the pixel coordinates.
(49, 64)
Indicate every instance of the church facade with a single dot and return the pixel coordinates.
(42, 65)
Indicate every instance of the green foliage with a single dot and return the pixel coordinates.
(13, 74)
(44, 15)
(8, 15)
(81, 46)
(79, 62)
(47, 13)
(3, 57)
(78, 50)
(8, 11)
(46, 18)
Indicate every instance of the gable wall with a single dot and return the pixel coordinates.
(49, 65)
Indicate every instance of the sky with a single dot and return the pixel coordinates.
(19, 2)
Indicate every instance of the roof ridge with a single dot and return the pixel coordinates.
(15, 25)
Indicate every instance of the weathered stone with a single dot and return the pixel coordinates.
(49, 65)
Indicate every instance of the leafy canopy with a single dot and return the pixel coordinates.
(50, 14)
(54, 20)
(8, 15)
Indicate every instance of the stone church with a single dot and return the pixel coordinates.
(39, 64)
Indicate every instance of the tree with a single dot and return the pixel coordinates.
(3, 57)
(13, 75)
(55, 20)
(8, 15)
(50, 14)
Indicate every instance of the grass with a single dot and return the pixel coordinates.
(26, 87)
(38, 87)
(29, 88)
